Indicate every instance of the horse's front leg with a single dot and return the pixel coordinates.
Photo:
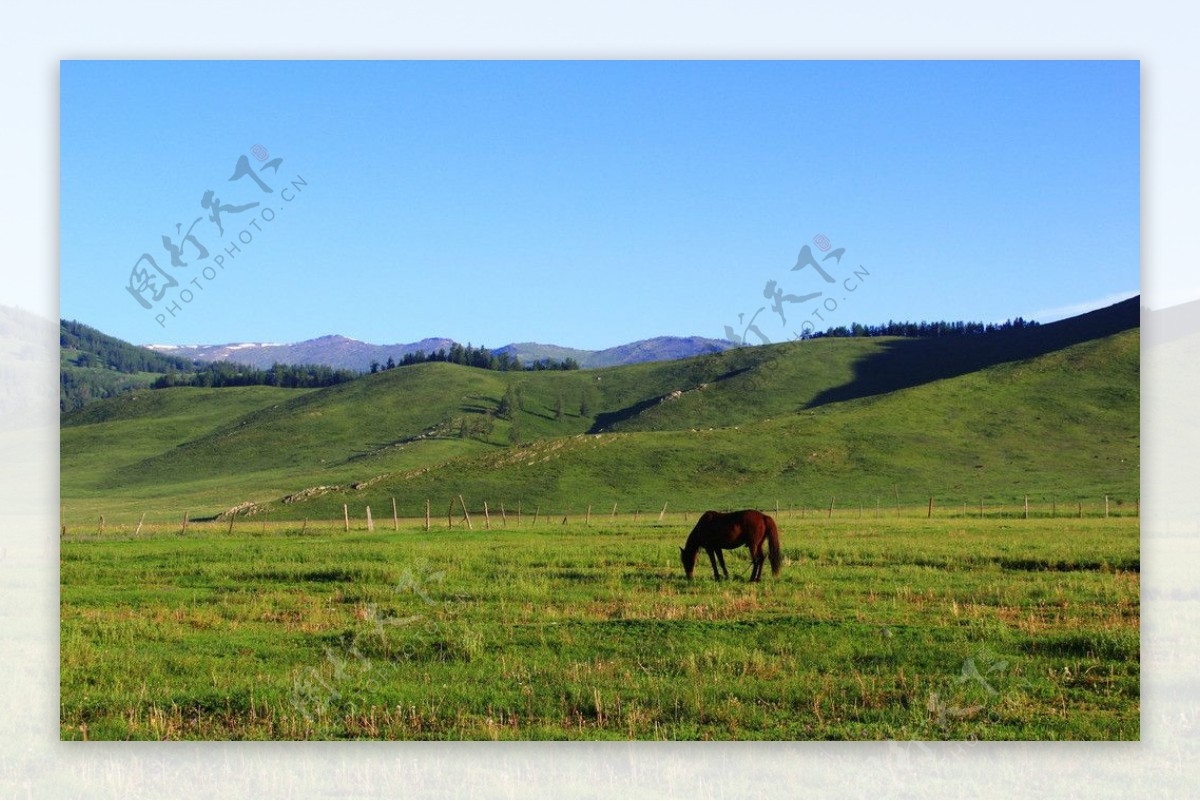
(721, 559)
(712, 557)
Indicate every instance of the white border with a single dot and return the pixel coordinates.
(34, 37)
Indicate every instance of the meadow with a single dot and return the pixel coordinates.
(952, 627)
(959, 519)
(736, 429)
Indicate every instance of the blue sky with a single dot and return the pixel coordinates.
(592, 203)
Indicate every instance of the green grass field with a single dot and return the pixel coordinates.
(950, 628)
(891, 619)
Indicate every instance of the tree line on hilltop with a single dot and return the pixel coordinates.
(95, 365)
(479, 357)
(100, 350)
(231, 374)
(941, 328)
(309, 376)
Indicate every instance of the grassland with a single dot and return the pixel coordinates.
(877, 628)
(798, 423)
(892, 619)
(1039, 428)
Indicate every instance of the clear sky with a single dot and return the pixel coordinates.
(590, 204)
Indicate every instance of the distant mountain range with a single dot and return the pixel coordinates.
(341, 352)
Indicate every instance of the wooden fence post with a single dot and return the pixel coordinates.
(466, 514)
(427, 514)
(185, 522)
(537, 510)
(370, 521)
(831, 500)
(663, 512)
(614, 512)
(138, 530)
(503, 515)
(1026, 507)
(100, 530)
(346, 516)
(395, 516)
(930, 513)
(487, 518)
(1106, 506)
(227, 532)
(450, 515)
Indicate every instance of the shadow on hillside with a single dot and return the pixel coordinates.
(907, 363)
(605, 420)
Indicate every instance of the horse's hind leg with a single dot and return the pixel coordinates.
(757, 558)
(712, 557)
(721, 559)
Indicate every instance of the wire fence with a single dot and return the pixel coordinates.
(460, 514)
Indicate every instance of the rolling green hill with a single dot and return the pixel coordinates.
(1051, 411)
(1024, 428)
(94, 365)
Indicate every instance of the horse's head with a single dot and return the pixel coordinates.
(688, 560)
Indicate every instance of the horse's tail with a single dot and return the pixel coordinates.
(773, 545)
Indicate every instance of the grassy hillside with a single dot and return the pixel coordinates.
(103, 440)
(1061, 427)
(94, 365)
(1051, 411)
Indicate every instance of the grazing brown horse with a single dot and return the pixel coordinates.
(716, 532)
